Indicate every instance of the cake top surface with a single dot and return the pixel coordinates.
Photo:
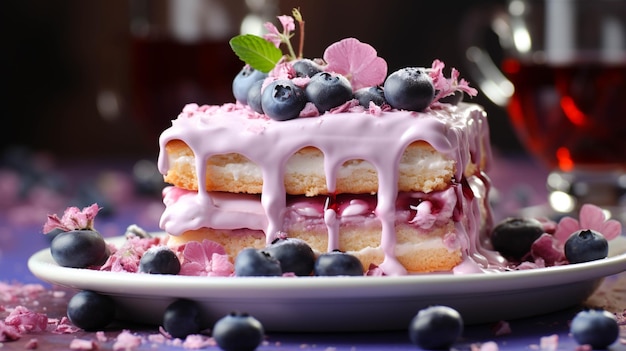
(287, 86)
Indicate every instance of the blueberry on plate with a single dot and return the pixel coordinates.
(238, 332)
(251, 262)
(295, 256)
(436, 328)
(159, 260)
(184, 317)
(513, 237)
(337, 263)
(597, 328)
(282, 100)
(79, 248)
(91, 311)
(586, 245)
(244, 80)
(326, 90)
(409, 88)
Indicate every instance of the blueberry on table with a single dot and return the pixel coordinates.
(244, 80)
(91, 311)
(159, 260)
(586, 245)
(513, 237)
(597, 328)
(337, 263)
(251, 262)
(183, 317)
(370, 94)
(436, 328)
(238, 332)
(409, 88)
(326, 90)
(79, 248)
(295, 256)
(282, 100)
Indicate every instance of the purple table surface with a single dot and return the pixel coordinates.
(518, 182)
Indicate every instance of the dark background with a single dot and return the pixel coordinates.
(60, 58)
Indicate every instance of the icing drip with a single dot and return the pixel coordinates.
(459, 132)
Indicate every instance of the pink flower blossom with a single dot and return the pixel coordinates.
(73, 219)
(357, 61)
(276, 37)
(448, 86)
(590, 217)
(205, 259)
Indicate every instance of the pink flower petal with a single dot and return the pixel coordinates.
(591, 217)
(567, 226)
(547, 248)
(200, 259)
(611, 229)
(357, 61)
(287, 23)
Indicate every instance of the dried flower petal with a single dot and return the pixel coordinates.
(205, 259)
(73, 219)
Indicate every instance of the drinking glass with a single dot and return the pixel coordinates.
(180, 54)
(561, 74)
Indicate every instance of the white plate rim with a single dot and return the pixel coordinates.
(43, 266)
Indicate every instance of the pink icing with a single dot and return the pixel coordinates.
(459, 132)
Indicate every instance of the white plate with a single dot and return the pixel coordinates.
(344, 303)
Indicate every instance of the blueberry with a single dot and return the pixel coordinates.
(238, 332)
(159, 260)
(184, 317)
(409, 88)
(53, 233)
(436, 328)
(306, 68)
(79, 249)
(244, 80)
(373, 94)
(91, 311)
(514, 236)
(453, 99)
(254, 96)
(586, 245)
(294, 255)
(327, 90)
(597, 328)
(251, 262)
(338, 263)
(282, 100)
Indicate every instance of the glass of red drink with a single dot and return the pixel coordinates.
(562, 78)
(180, 54)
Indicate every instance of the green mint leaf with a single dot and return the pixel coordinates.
(259, 53)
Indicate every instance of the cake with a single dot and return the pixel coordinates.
(404, 189)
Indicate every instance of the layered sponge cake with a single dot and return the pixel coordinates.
(402, 190)
(333, 151)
